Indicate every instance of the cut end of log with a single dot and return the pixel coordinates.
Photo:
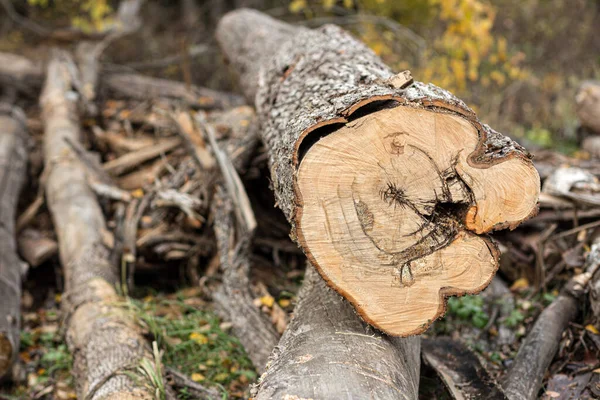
(391, 206)
(6, 354)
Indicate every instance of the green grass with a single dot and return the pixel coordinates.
(193, 342)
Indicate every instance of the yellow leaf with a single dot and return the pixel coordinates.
(138, 193)
(197, 377)
(297, 5)
(198, 338)
(221, 377)
(519, 284)
(328, 4)
(267, 300)
(284, 303)
(592, 328)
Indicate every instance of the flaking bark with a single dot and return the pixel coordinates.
(106, 345)
(13, 164)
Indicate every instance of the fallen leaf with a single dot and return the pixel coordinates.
(198, 338)
(519, 284)
(197, 377)
(284, 303)
(267, 300)
(592, 328)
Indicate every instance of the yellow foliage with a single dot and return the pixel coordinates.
(467, 50)
(297, 5)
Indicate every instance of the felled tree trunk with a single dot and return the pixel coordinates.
(106, 345)
(13, 164)
(387, 184)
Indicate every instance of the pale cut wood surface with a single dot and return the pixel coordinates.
(386, 204)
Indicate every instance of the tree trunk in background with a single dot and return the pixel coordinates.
(13, 165)
(106, 345)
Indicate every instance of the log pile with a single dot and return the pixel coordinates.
(387, 188)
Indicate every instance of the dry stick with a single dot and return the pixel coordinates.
(234, 299)
(101, 336)
(143, 87)
(36, 248)
(13, 166)
(524, 379)
(26, 76)
(199, 392)
(131, 160)
(235, 187)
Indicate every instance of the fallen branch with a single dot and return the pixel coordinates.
(13, 166)
(524, 378)
(101, 336)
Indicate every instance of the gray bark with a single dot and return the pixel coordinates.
(327, 352)
(234, 300)
(524, 380)
(105, 343)
(24, 75)
(13, 165)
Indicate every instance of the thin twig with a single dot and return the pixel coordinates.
(235, 187)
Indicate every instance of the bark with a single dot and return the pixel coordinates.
(106, 345)
(327, 352)
(13, 164)
(303, 79)
(21, 73)
(234, 300)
